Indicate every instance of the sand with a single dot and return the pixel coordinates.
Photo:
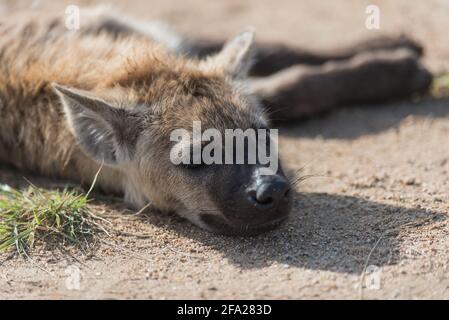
(372, 222)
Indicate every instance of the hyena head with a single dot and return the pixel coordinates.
(134, 135)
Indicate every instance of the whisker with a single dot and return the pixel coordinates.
(306, 177)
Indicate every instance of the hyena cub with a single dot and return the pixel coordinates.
(71, 101)
(112, 92)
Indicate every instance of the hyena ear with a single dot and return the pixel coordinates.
(236, 56)
(105, 133)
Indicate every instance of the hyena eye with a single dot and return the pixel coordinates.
(194, 166)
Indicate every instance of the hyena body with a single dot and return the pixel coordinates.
(112, 92)
(131, 93)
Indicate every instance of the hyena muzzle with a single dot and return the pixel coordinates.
(111, 93)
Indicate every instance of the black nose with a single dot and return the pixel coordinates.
(270, 191)
(262, 203)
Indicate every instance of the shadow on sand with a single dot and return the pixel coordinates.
(325, 232)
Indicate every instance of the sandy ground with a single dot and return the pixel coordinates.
(372, 223)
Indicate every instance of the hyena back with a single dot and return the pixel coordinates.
(72, 101)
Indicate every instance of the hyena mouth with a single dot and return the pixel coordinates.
(220, 225)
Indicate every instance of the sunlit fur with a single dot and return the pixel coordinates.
(132, 72)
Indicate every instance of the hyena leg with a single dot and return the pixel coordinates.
(270, 57)
(301, 91)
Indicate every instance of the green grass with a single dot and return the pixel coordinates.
(37, 215)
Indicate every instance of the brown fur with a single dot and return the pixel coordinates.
(132, 73)
(108, 93)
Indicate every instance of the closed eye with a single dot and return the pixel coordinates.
(192, 166)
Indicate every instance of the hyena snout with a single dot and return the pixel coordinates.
(267, 199)
(255, 204)
(268, 192)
